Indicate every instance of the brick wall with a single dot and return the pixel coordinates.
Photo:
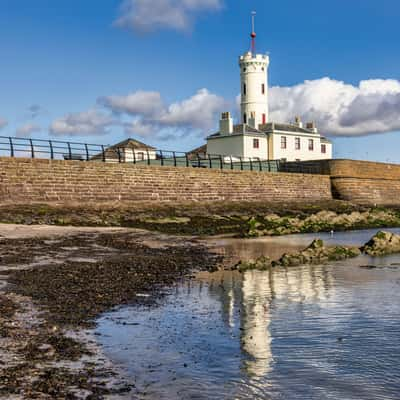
(361, 182)
(26, 180)
(366, 182)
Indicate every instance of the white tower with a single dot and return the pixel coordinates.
(254, 85)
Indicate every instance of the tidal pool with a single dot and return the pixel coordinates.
(312, 332)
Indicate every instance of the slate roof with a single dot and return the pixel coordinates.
(131, 144)
(272, 126)
(111, 152)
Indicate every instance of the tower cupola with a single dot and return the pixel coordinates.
(254, 84)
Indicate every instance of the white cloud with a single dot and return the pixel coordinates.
(137, 127)
(338, 108)
(27, 129)
(91, 122)
(198, 113)
(140, 102)
(3, 123)
(151, 15)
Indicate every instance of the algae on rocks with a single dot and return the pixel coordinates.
(382, 243)
(322, 221)
(315, 253)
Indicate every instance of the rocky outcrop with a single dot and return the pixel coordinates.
(315, 253)
(382, 243)
(322, 221)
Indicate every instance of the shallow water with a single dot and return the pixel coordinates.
(313, 332)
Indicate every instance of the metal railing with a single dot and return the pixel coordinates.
(75, 151)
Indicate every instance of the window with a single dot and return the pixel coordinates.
(310, 144)
(244, 89)
(297, 143)
(263, 88)
(256, 144)
(245, 118)
(323, 148)
(264, 118)
(283, 142)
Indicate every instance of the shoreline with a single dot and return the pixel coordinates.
(58, 281)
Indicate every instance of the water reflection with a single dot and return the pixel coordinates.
(314, 332)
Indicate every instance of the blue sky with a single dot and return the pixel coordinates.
(162, 70)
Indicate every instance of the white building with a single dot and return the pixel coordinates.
(129, 150)
(257, 136)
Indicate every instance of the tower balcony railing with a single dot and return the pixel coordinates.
(86, 152)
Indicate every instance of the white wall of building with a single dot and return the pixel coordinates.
(239, 146)
(290, 153)
(140, 155)
(230, 145)
(260, 152)
(254, 77)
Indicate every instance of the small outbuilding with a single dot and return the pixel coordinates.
(129, 150)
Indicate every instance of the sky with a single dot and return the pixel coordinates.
(162, 71)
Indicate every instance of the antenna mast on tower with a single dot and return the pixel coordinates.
(253, 33)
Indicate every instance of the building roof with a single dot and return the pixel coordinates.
(198, 150)
(273, 126)
(113, 152)
(131, 144)
(238, 129)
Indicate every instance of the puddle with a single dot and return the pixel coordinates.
(312, 332)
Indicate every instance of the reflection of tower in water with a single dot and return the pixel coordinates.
(256, 337)
(248, 300)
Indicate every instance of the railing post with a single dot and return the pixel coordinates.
(32, 149)
(269, 166)
(241, 163)
(198, 160)
(251, 164)
(11, 147)
(69, 151)
(134, 156)
(51, 150)
(210, 161)
(221, 162)
(174, 155)
(119, 154)
(187, 159)
(103, 153)
(87, 152)
(259, 163)
(231, 162)
(162, 158)
(148, 157)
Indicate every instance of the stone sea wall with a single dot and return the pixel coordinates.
(40, 181)
(34, 181)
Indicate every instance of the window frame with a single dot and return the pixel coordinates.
(256, 143)
(283, 142)
(297, 143)
(323, 148)
(311, 144)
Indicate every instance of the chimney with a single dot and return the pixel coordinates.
(252, 120)
(226, 124)
(297, 122)
(312, 127)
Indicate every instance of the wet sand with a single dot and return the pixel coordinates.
(55, 281)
